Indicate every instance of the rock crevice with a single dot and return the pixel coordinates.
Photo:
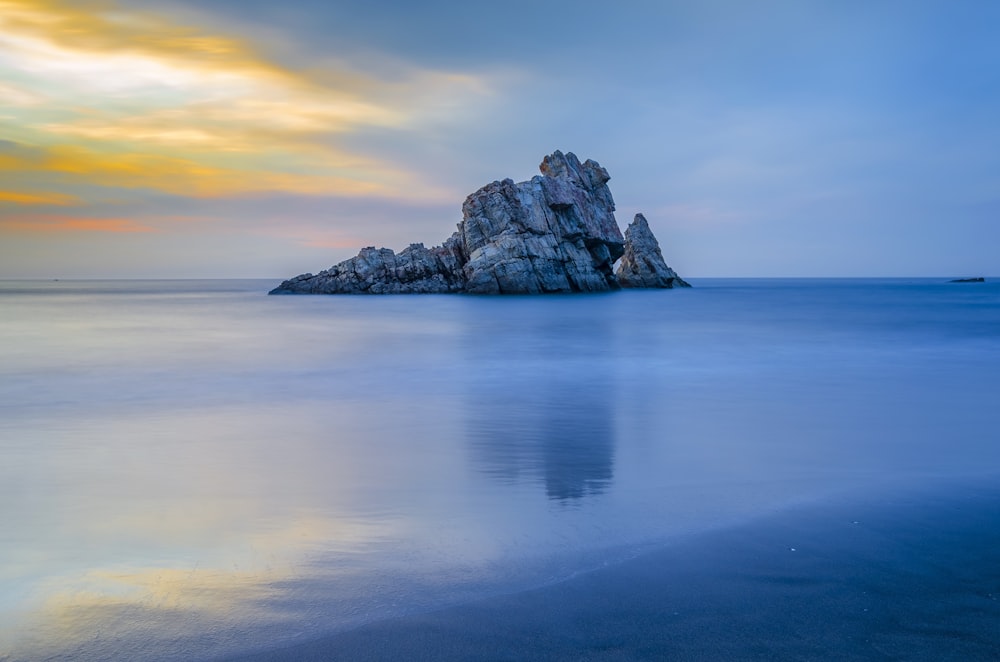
(554, 233)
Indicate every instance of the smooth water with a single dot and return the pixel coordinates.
(191, 469)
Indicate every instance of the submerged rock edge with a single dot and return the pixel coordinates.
(553, 233)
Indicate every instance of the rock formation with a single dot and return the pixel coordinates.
(554, 233)
(415, 270)
(643, 265)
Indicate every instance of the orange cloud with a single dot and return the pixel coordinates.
(181, 176)
(50, 223)
(24, 198)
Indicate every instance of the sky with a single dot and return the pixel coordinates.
(253, 138)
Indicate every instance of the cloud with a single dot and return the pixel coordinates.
(180, 176)
(46, 223)
(35, 198)
(11, 95)
(108, 96)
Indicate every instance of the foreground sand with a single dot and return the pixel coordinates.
(914, 577)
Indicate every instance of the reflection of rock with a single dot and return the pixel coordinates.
(643, 265)
(561, 433)
(554, 233)
(567, 447)
(577, 446)
(546, 416)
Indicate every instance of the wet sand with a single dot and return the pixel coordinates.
(906, 577)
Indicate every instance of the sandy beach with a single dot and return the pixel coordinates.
(903, 577)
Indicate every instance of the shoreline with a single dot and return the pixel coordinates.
(891, 576)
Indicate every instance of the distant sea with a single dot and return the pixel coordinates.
(192, 470)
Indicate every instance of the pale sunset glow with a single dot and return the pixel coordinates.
(46, 223)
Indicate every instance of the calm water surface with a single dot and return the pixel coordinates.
(192, 469)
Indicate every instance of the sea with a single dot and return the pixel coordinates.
(194, 470)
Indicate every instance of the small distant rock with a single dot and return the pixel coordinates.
(980, 279)
(643, 265)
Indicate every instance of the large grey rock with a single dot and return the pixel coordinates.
(554, 233)
(643, 265)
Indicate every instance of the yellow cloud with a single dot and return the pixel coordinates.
(24, 198)
(101, 26)
(115, 97)
(283, 122)
(13, 95)
(148, 60)
(180, 176)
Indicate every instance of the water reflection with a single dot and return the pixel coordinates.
(172, 541)
(540, 404)
(577, 444)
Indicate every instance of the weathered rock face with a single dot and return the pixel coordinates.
(554, 233)
(415, 270)
(643, 265)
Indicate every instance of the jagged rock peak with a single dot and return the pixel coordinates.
(589, 175)
(554, 233)
(643, 265)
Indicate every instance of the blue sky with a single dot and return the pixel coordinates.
(159, 138)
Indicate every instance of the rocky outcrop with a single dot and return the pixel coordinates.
(643, 265)
(554, 233)
(415, 270)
